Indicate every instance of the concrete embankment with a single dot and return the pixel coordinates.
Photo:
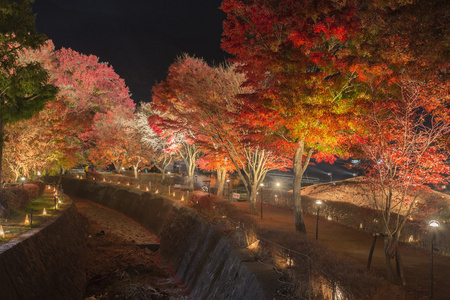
(46, 263)
(200, 257)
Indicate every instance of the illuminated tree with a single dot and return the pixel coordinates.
(161, 153)
(202, 101)
(87, 90)
(406, 155)
(217, 161)
(24, 88)
(295, 57)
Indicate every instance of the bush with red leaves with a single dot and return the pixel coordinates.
(14, 197)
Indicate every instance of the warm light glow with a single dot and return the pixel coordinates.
(360, 226)
(254, 245)
(104, 179)
(228, 180)
(433, 223)
(27, 221)
(157, 191)
(329, 218)
(146, 189)
(262, 184)
(289, 262)
(48, 187)
(38, 173)
(182, 198)
(173, 194)
(278, 184)
(44, 212)
(59, 200)
(319, 202)
(138, 186)
(93, 178)
(128, 183)
(168, 173)
(2, 232)
(23, 178)
(411, 239)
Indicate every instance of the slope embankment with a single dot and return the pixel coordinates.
(46, 262)
(200, 257)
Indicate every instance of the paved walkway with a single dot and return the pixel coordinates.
(356, 244)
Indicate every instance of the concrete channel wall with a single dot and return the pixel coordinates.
(200, 257)
(47, 262)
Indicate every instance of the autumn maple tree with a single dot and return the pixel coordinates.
(294, 54)
(219, 162)
(87, 90)
(405, 155)
(204, 101)
(160, 152)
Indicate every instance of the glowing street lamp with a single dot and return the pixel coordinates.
(228, 190)
(261, 185)
(331, 176)
(23, 180)
(434, 225)
(319, 203)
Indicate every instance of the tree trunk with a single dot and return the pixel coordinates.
(191, 170)
(135, 172)
(299, 170)
(221, 174)
(400, 270)
(252, 199)
(387, 256)
(1, 150)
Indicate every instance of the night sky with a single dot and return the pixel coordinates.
(139, 38)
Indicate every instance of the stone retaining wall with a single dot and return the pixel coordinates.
(200, 257)
(46, 263)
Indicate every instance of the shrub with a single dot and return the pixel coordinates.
(14, 197)
(33, 190)
(41, 186)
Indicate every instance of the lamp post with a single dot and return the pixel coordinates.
(331, 176)
(319, 203)
(23, 180)
(228, 190)
(434, 224)
(261, 185)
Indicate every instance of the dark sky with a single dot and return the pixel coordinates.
(139, 38)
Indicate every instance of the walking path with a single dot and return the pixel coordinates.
(356, 245)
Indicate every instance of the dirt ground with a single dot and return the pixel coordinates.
(356, 245)
(119, 266)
